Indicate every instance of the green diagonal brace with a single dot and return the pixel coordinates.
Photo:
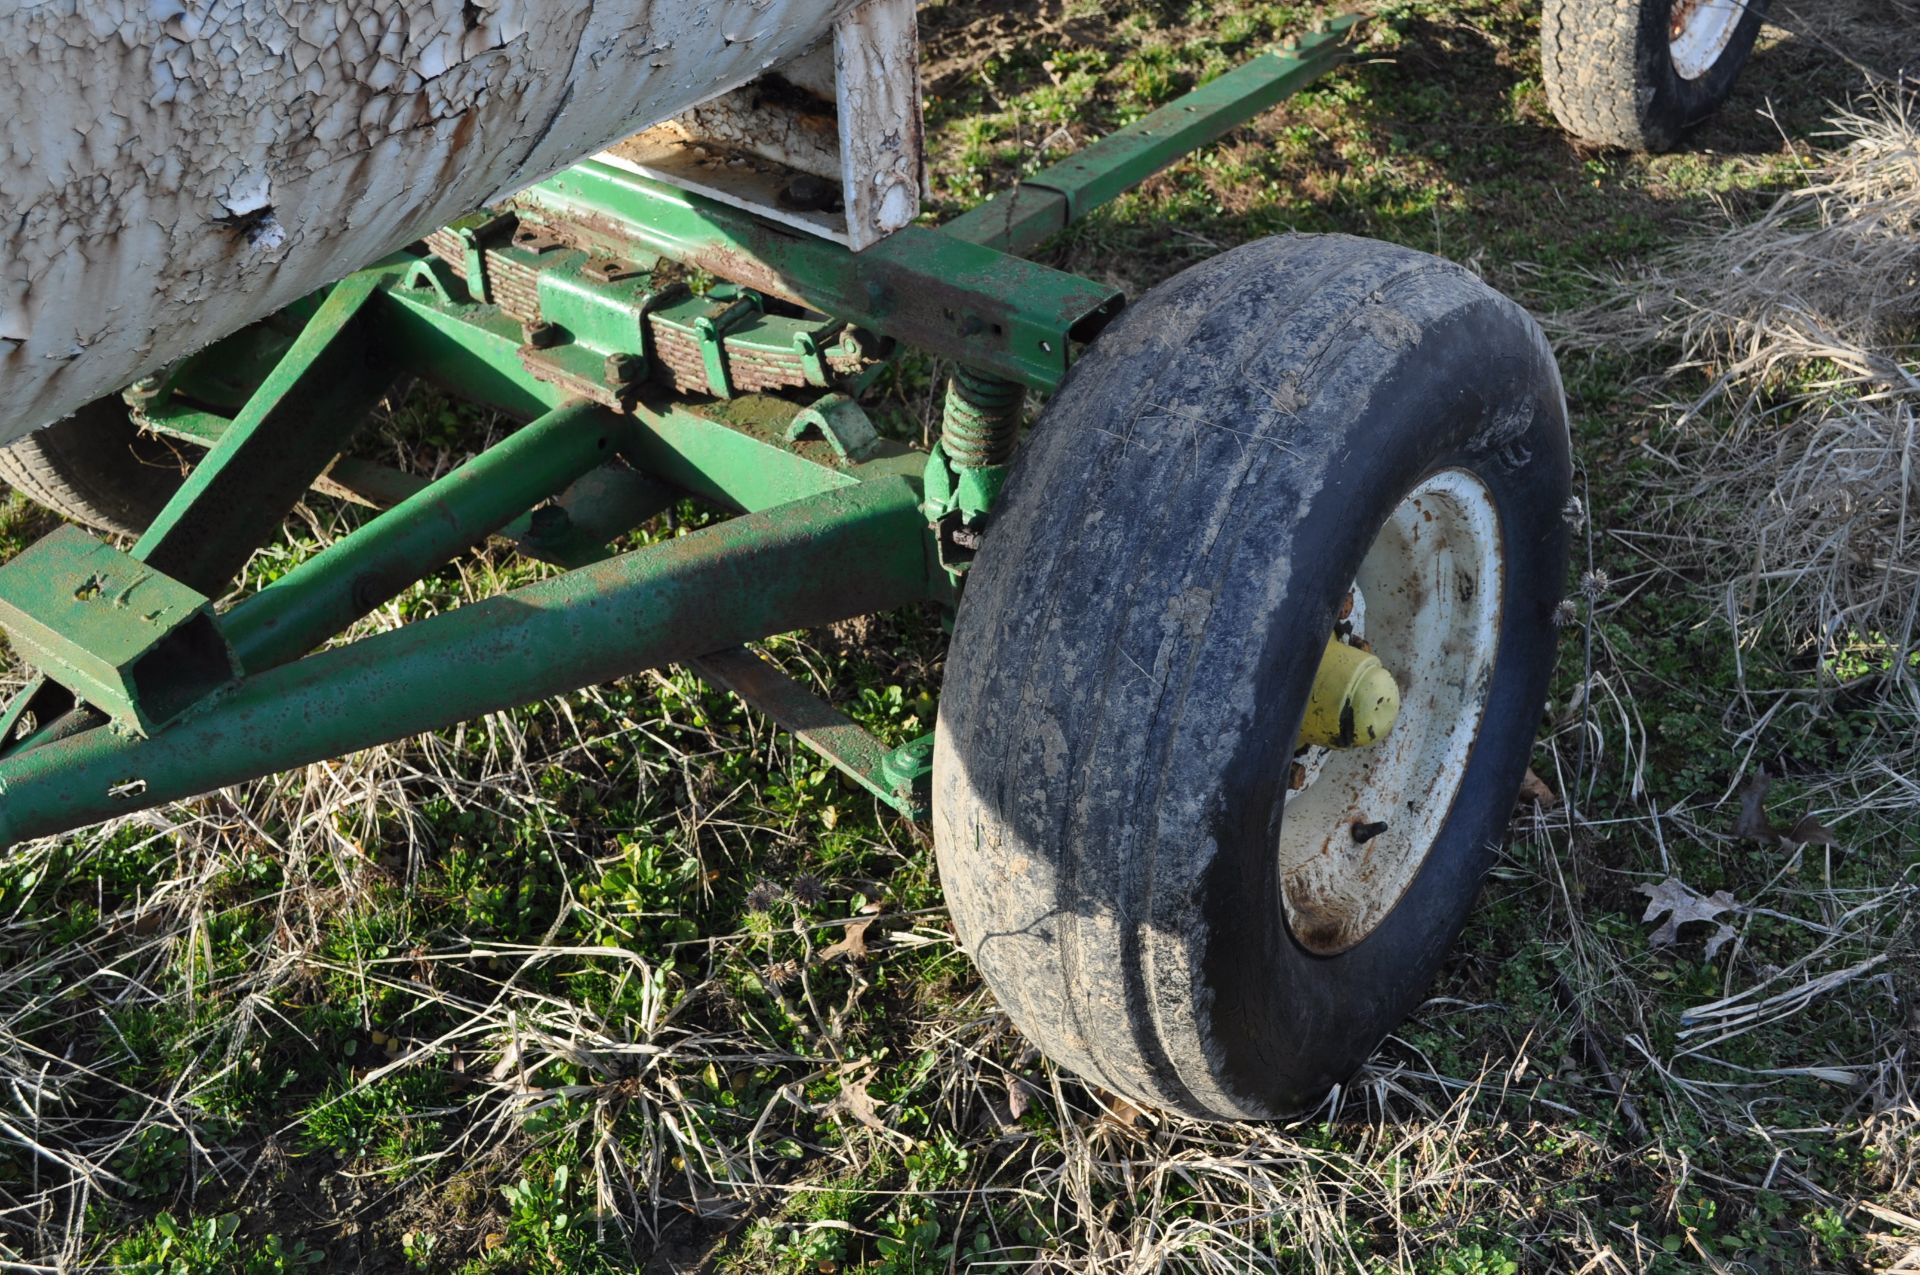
(237, 497)
(290, 430)
(329, 591)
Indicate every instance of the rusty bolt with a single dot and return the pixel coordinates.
(541, 335)
(624, 369)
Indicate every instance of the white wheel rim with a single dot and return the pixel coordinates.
(1433, 583)
(1700, 31)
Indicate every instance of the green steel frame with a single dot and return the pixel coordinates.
(661, 347)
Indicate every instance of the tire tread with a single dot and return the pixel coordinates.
(93, 468)
(1081, 722)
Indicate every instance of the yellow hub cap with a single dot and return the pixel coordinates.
(1354, 701)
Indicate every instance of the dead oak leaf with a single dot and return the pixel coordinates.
(852, 944)
(862, 936)
(1535, 790)
(1682, 905)
(855, 1102)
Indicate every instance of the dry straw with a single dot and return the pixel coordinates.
(1800, 448)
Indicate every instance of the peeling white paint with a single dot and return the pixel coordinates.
(877, 50)
(174, 169)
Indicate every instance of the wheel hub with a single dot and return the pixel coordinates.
(1354, 701)
(1358, 827)
(1700, 31)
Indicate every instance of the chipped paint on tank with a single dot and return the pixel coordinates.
(174, 169)
(788, 117)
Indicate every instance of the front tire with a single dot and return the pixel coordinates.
(1638, 74)
(1115, 815)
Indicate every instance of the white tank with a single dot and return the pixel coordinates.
(172, 170)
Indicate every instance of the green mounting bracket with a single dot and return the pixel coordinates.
(839, 420)
(957, 500)
(431, 274)
(599, 308)
(907, 772)
(141, 647)
(474, 234)
(722, 312)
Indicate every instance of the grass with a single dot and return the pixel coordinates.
(572, 988)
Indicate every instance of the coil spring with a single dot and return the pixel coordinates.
(982, 421)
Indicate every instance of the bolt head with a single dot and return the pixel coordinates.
(542, 335)
(624, 369)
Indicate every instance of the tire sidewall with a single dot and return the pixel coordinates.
(1264, 982)
(96, 468)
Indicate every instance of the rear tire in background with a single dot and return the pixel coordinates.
(1135, 855)
(95, 468)
(1639, 73)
